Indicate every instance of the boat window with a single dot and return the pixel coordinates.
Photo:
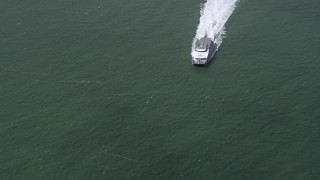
(201, 50)
(201, 59)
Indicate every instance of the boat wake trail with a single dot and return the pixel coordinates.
(214, 15)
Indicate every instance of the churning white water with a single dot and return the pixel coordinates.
(214, 15)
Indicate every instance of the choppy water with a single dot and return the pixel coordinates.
(106, 90)
(214, 16)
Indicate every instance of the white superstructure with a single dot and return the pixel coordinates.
(203, 51)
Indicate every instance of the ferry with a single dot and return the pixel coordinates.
(203, 51)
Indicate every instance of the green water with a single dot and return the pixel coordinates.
(105, 90)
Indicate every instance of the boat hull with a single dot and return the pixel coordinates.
(207, 60)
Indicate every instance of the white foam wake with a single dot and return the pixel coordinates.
(214, 15)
